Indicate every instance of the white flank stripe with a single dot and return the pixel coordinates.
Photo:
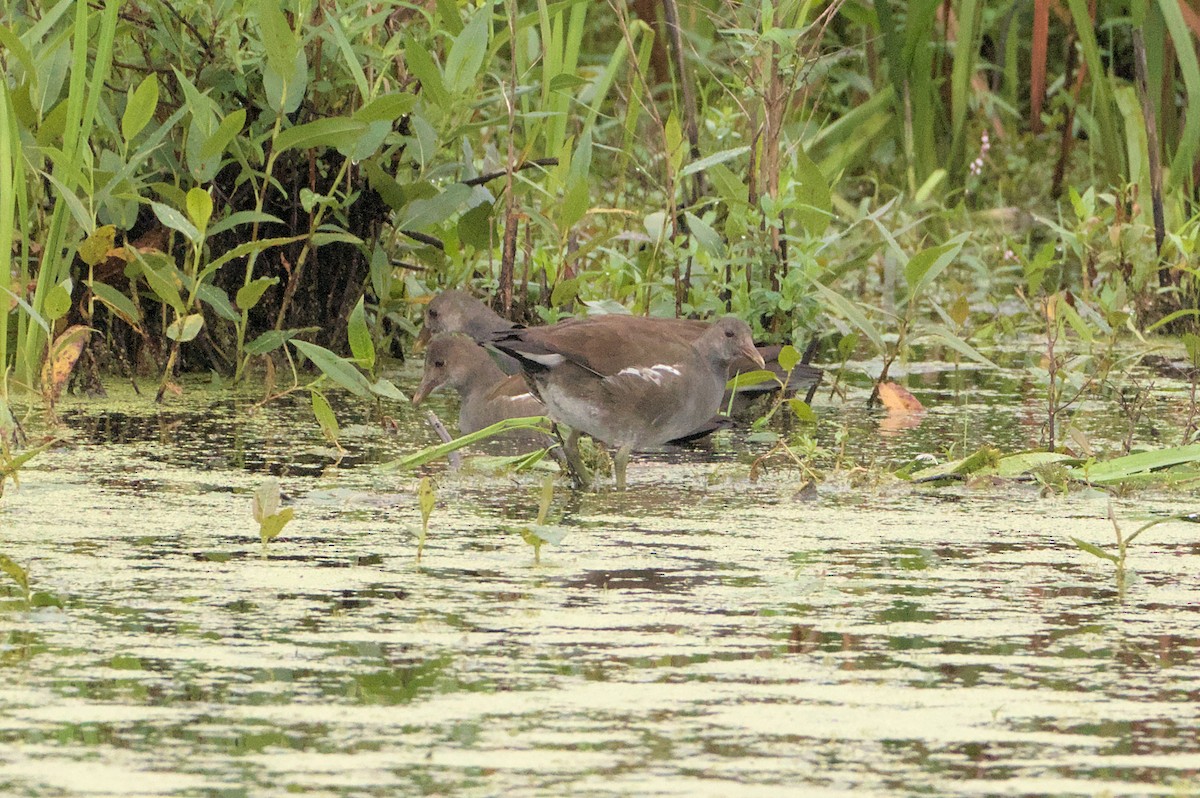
(653, 373)
(547, 360)
(520, 396)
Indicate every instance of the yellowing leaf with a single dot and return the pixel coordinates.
(60, 362)
(270, 527)
(897, 399)
(960, 310)
(426, 500)
(95, 247)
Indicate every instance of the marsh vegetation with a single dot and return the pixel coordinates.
(235, 560)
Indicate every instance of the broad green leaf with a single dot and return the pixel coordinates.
(242, 217)
(467, 52)
(924, 267)
(57, 302)
(1170, 317)
(564, 292)
(426, 501)
(507, 464)
(709, 161)
(802, 411)
(175, 220)
(117, 302)
(139, 107)
(674, 136)
(186, 328)
(1135, 464)
(421, 63)
(361, 345)
(574, 204)
(216, 298)
(324, 415)
(230, 126)
(336, 368)
(812, 192)
(732, 190)
(199, 208)
(269, 341)
(710, 243)
(242, 250)
(278, 38)
(475, 226)
(539, 423)
(846, 346)
(250, 293)
(1095, 551)
(163, 282)
(448, 15)
(342, 237)
(788, 357)
(939, 334)
(388, 390)
(1035, 269)
(750, 378)
(366, 143)
(328, 132)
(386, 108)
(423, 214)
(13, 44)
(284, 93)
(548, 533)
(271, 526)
(338, 34)
(544, 500)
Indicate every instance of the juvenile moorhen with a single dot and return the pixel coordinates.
(454, 311)
(458, 311)
(488, 394)
(626, 380)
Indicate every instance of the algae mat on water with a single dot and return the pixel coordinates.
(697, 636)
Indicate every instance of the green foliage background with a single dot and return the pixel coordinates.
(202, 183)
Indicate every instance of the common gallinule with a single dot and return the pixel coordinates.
(488, 394)
(455, 311)
(458, 311)
(626, 380)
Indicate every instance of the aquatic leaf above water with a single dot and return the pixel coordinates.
(17, 574)
(428, 454)
(60, 362)
(1132, 465)
(271, 520)
(426, 499)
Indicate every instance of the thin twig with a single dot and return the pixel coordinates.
(455, 458)
(479, 181)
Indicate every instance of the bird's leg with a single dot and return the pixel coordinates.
(580, 475)
(620, 460)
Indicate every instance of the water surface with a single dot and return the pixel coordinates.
(699, 635)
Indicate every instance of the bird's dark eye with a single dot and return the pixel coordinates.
(729, 333)
(439, 363)
(431, 313)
